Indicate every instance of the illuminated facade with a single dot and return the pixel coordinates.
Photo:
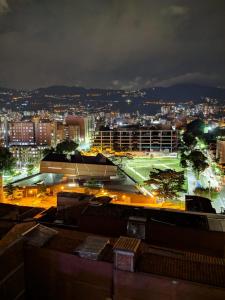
(85, 124)
(21, 133)
(64, 131)
(220, 151)
(43, 133)
(30, 133)
(137, 140)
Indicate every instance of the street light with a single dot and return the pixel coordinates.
(209, 189)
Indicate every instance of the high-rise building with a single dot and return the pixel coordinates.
(21, 133)
(3, 132)
(43, 133)
(64, 131)
(220, 151)
(85, 124)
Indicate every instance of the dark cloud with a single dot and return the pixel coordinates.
(113, 43)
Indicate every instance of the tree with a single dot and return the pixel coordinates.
(9, 189)
(168, 183)
(183, 160)
(6, 164)
(210, 193)
(198, 161)
(189, 140)
(30, 168)
(196, 128)
(193, 134)
(66, 147)
(48, 151)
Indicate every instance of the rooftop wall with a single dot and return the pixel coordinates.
(78, 169)
(12, 284)
(55, 275)
(140, 286)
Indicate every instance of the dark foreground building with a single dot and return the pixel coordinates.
(96, 250)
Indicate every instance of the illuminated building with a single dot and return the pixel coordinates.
(85, 125)
(137, 140)
(3, 132)
(43, 133)
(21, 133)
(23, 153)
(64, 131)
(165, 109)
(220, 151)
(30, 133)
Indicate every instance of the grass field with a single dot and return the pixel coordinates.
(139, 168)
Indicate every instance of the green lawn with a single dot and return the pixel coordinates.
(139, 168)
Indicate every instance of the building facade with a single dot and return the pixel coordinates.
(64, 131)
(21, 133)
(220, 151)
(43, 133)
(137, 140)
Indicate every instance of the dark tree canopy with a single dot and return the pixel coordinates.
(196, 128)
(47, 151)
(189, 140)
(168, 182)
(198, 161)
(6, 160)
(66, 147)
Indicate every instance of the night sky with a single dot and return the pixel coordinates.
(111, 43)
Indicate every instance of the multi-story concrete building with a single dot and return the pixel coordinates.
(3, 131)
(35, 132)
(85, 124)
(21, 133)
(137, 139)
(76, 128)
(220, 151)
(25, 154)
(64, 131)
(43, 133)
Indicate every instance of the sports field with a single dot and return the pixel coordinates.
(139, 168)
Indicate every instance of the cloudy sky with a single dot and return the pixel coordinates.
(111, 43)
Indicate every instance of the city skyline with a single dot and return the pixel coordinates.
(118, 44)
(112, 149)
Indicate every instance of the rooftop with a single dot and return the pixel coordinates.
(163, 261)
(99, 159)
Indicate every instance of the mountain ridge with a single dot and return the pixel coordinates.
(174, 92)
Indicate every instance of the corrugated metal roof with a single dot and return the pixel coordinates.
(183, 265)
(127, 244)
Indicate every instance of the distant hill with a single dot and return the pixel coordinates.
(181, 92)
(60, 90)
(186, 92)
(176, 92)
